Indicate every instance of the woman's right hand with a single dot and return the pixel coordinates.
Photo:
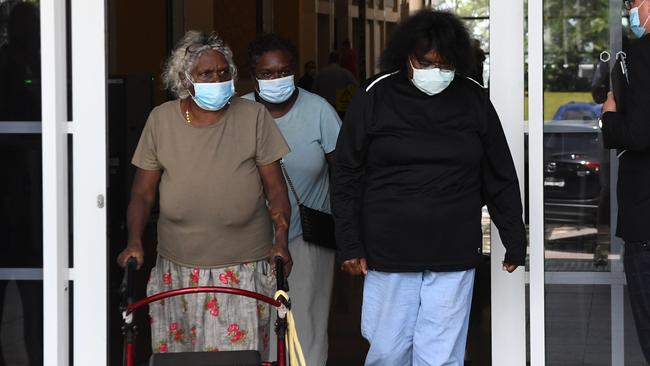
(355, 266)
(132, 250)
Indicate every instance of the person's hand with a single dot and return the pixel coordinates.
(509, 267)
(610, 103)
(132, 250)
(281, 250)
(355, 266)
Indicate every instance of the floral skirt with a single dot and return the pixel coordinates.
(210, 321)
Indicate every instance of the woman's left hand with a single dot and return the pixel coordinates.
(281, 250)
(509, 267)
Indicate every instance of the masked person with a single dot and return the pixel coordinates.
(310, 126)
(215, 160)
(629, 131)
(420, 152)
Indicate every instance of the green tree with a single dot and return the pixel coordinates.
(575, 32)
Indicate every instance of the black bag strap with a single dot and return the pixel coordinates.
(286, 175)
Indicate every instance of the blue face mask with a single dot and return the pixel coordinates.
(432, 81)
(212, 96)
(635, 22)
(277, 90)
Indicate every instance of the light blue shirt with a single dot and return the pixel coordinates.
(310, 128)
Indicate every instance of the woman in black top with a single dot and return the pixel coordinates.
(420, 152)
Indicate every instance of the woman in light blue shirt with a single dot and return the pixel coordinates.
(310, 126)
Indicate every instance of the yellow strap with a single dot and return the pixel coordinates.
(296, 358)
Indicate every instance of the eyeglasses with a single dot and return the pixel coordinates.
(426, 64)
(210, 76)
(205, 40)
(435, 65)
(444, 67)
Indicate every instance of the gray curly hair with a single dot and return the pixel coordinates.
(187, 51)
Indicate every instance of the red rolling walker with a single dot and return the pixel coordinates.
(223, 358)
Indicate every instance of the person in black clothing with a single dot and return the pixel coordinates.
(629, 131)
(420, 152)
(307, 80)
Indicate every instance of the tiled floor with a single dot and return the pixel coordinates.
(578, 327)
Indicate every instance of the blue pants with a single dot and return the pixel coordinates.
(637, 272)
(416, 318)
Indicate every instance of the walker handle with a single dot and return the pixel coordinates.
(282, 283)
(126, 289)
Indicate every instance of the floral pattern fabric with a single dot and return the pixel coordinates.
(209, 321)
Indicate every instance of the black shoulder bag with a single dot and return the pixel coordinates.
(317, 226)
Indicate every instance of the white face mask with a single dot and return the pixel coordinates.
(431, 81)
(277, 90)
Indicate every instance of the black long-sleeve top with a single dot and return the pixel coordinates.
(630, 130)
(413, 172)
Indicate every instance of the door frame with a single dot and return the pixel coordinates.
(88, 276)
(508, 292)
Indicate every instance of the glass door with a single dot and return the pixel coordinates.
(52, 293)
(578, 306)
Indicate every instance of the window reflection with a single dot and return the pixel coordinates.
(21, 316)
(20, 62)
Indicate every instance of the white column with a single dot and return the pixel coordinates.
(536, 182)
(507, 94)
(89, 181)
(55, 183)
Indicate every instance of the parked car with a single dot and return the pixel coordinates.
(576, 173)
(578, 111)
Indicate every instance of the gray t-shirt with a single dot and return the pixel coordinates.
(311, 128)
(212, 206)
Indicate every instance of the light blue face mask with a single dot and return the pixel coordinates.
(277, 90)
(432, 81)
(212, 96)
(635, 22)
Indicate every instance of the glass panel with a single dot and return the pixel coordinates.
(70, 205)
(20, 61)
(577, 191)
(21, 323)
(578, 325)
(21, 208)
(576, 166)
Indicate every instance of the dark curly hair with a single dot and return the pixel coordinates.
(266, 42)
(425, 31)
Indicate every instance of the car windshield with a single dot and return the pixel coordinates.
(585, 143)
